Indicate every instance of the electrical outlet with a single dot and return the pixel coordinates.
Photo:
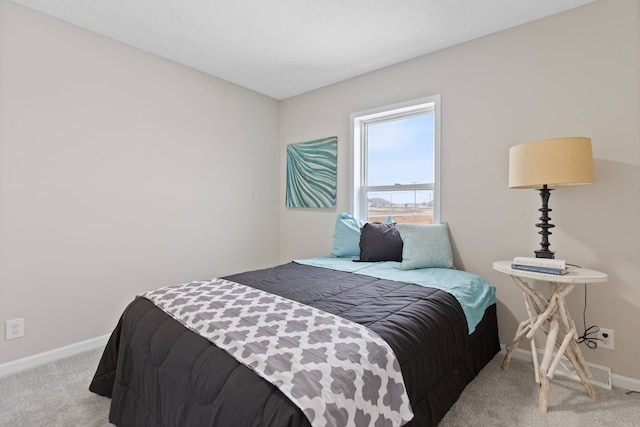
(13, 329)
(605, 337)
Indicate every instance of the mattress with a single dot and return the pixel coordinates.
(159, 373)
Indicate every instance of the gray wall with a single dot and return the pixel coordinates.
(119, 172)
(572, 74)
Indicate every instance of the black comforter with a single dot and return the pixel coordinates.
(158, 373)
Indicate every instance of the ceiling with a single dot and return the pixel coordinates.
(283, 48)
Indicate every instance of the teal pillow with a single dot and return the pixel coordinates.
(425, 246)
(346, 236)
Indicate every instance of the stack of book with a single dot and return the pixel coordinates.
(540, 265)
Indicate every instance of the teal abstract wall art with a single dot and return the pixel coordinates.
(311, 173)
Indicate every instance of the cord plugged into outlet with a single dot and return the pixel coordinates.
(605, 338)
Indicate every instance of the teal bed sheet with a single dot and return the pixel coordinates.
(473, 292)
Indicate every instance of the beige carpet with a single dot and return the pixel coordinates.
(56, 394)
(510, 398)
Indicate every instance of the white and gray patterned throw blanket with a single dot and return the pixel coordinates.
(339, 373)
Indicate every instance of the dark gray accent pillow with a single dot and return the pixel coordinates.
(380, 242)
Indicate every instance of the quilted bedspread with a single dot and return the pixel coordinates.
(159, 373)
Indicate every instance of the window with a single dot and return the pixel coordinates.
(395, 161)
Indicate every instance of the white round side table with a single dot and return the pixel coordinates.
(551, 316)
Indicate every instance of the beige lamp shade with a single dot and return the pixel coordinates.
(552, 162)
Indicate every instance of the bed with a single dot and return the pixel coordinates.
(440, 323)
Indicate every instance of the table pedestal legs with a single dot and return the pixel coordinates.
(552, 317)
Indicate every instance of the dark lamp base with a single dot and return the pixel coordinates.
(544, 254)
(544, 224)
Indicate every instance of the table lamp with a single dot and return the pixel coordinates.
(546, 164)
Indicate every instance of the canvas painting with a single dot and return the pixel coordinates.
(311, 173)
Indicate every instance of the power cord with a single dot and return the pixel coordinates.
(586, 338)
(591, 342)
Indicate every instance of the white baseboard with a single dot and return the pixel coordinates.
(621, 381)
(51, 355)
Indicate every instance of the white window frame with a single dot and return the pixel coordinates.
(358, 153)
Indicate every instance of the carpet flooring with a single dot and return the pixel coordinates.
(56, 395)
